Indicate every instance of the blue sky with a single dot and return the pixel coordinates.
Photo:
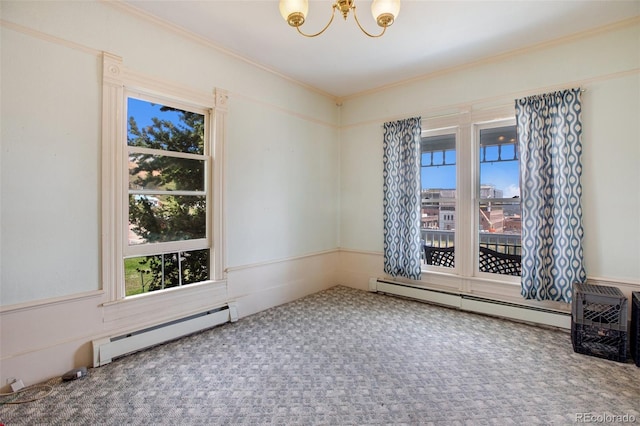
(503, 175)
(143, 111)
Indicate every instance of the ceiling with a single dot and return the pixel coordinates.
(427, 36)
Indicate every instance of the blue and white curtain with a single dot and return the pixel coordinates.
(549, 138)
(401, 189)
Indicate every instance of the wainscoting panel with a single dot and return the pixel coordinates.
(363, 270)
(261, 286)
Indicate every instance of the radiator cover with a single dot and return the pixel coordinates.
(109, 348)
(471, 303)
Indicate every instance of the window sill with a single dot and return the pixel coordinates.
(167, 304)
(449, 275)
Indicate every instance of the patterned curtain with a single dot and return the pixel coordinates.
(402, 198)
(549, 138)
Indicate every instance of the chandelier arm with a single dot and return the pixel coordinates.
(355, 15)
(333, 14)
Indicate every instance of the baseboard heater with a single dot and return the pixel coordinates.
(515, 311)
(109, 348)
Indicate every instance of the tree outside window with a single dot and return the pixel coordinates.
(167, 197)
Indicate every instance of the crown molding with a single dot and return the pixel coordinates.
(134, 11)
(502, 56)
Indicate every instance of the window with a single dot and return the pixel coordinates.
(438, 177)
(168, 198)
(162, 194)
(471, 195)
(499, 216)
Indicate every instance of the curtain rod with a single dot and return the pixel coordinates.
(452, 114)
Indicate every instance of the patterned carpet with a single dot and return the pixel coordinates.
(348, 357)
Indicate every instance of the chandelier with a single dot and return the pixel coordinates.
(384, 12)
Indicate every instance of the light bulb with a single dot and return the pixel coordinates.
(294, 11)
(385, 11)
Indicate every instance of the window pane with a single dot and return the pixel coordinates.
(500, 241)
(162, 127)
(164, 218)
(438, 178)
(161, 172)
(499, 163)
(195, 266)
(498, 219)
(138, 274)
(438, 158)
(145, 274)
(433, 215)
(499, 222)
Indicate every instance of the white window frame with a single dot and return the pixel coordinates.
(467, 122)
(149, 249)
(120, 83)
(440, 131)
(477, 127)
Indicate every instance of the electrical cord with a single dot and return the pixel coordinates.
(47, 389)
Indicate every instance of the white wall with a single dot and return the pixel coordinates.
(605, 63)
(282, 186)
(281, 180)
(50, 169)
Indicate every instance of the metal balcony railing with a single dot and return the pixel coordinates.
(499, 253)
(503, 243)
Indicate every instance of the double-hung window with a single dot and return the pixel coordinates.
(168, 195)
(471, 196)
(498, 198)
(162, 213)
(438, 196)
